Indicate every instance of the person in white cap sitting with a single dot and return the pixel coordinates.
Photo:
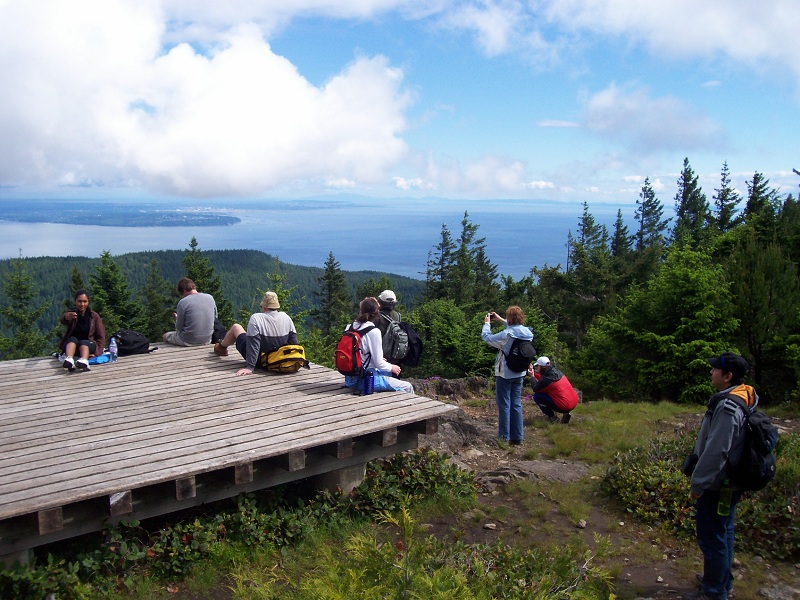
(552, 391)
(266, 332)
(387, 301)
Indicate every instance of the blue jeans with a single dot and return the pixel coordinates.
(715, 538)
(509, 408)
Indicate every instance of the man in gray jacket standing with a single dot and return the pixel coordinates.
(719, 444)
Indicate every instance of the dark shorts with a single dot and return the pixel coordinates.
(78, 343)
(241, 344)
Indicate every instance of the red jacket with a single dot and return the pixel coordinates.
(555, 384)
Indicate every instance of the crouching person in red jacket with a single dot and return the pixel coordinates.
(552, 391)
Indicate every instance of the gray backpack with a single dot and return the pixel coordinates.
(395, 341)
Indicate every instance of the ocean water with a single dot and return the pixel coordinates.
(393, 236)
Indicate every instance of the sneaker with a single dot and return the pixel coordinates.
(515, 442)
(220, 350)
(565, 419)
(83, 364)
(69, 363)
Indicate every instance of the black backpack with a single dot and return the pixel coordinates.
(757, 465)
(520, 355)
(132, 342)
(415, 346)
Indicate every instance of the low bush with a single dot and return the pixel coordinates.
(648, 482)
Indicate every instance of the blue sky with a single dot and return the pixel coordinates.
(563, 100)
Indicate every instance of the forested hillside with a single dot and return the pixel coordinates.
(633, 315)
(242, 274)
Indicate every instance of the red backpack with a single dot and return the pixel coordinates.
(348, 352)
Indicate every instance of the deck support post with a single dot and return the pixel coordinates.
(341, 480)
(23, 557)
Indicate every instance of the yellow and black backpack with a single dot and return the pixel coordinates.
(286, 359)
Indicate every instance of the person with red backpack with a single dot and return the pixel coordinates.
(371, 350)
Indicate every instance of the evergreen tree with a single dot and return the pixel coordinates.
(591, 280)
(650, 239)
(373, 288)
(765, 293)
(439, 267)
(19, 316)
(649, 213)
(335, 301)
(726, 199)
(761, 209)
(111, 296)
(200, 270)
(692, 213)
(621, 240)
(76, 283)
(157, 300)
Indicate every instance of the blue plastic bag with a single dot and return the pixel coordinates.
(99, 360)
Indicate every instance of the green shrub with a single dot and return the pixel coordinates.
(647, 481)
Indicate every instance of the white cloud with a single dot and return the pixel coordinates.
(743, 30)
(495, 24)
(89, 97)
(557, 123)
(649, 125)
(540, 185)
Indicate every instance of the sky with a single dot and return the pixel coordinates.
(563, 100)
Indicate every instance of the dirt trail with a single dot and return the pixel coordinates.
(646, 563)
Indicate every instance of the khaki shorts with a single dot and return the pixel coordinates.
(174, 338)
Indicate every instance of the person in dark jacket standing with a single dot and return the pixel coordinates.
(719, 443)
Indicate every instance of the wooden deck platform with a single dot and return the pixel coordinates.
(165, 431)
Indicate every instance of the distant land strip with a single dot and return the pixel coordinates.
(112, 216)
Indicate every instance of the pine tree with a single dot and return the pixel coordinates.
(692, 213)
(726, 199)
(157, 316)
(200, 270)
(111, 296)
(335, 302)
(439, 267)
(19, 316)
(762, 207)
(76, 283)
(649, 213)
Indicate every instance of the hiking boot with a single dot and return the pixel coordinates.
(553, 419)
(69, 363)
(515, 442)
(565, 418)
(220, 350)
(82, 364)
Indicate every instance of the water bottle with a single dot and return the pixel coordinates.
(724, 504)
(369, 382)
(112, 349)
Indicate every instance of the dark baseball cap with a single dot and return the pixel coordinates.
(730, 362)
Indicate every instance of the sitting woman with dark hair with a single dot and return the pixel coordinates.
(372, 348)
(85, 335)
